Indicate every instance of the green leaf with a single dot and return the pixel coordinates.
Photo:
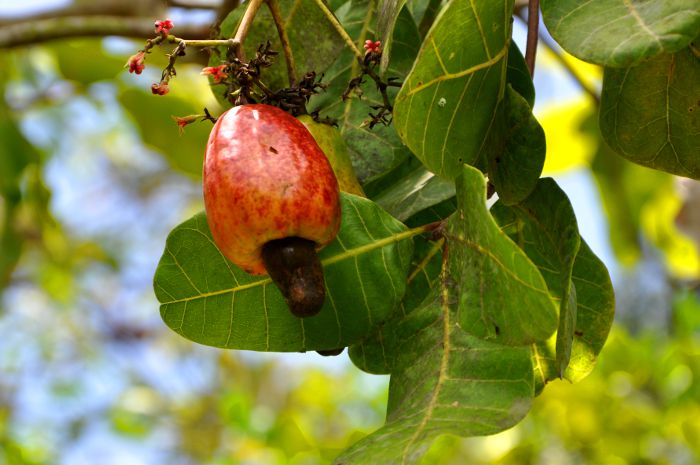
(444, 381)
(545, 227)
(315, 43)
(377, 150)
(85, 61)
(447, 103)
(649, 113)
(387, 15)
(518, 76)
(373, 354)
(207, 299)
(153, 117)
(621, 33)
(415, 192)
(516, 149)
(503, 297)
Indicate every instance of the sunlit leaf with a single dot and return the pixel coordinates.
(621, 32)
(447, 103)
(649, 113)
(209, 300)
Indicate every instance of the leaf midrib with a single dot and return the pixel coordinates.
(349, 253)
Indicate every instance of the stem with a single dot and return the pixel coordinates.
(274, 7)
(533, 25)
(242, 31)
(340, 29)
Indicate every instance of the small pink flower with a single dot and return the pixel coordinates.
(373, 46)
(135, 63)
(160, 89)
(163, 26)
(216, 72)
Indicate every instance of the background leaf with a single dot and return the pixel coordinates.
(184, 152)
(447, 103)
(387, 14)
(502, 295)
(621, 32)
(649, 113)
(315, 44)
(209, 300)
(378, 150)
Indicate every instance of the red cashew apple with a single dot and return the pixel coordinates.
(271, 200)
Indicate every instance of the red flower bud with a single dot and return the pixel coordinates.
(217, 72)
(135, 63)
(163, 26)
(183, 121)
(160, 89)
(373, 46)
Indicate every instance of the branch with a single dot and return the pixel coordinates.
(246, 22)
(533, 25)
(274, 7)
(31, 32)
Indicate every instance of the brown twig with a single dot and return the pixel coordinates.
(242, 31)
(42, 30)
(274, 8)
(533, 25)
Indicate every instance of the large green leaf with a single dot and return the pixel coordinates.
(516, 149)
(315, 43)
(443, 380)
(502, 295)
(375, 354)
(621, 32)
(373, 150)
(545, 227)
(447, 103)
(207, 299)
(650, 114)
